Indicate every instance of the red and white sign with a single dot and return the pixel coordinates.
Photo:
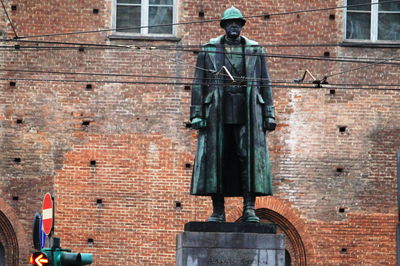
(47, 215)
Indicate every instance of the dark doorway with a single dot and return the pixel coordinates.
(2, 255)
(288, 259)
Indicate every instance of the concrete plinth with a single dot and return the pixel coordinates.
(230, 248)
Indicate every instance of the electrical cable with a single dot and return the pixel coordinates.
(209, 70)
(286, 56)
(182, 78)
(292, 86)
(9, 19)
(111, 81)
(202, 21)
(364, 84)
(68, 43)
(310, 57)
(168, 46)
(17, 47)
(175, 61)
(262, 45)
(374, 63)
(122, 75)
(385, 61)
(358, 68)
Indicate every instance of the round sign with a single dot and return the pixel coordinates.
(47, 215)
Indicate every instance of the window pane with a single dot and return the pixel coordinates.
(128, 16)
(389, 6)
(389, 27)
(161, 2)
(358, 26)
(160, 15)
(358, 2)
(128, 2)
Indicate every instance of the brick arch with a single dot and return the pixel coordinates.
(9, 240)
(13, 236)
(297, 248)
(288, 220)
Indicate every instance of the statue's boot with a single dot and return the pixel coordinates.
(218, 214)
(249, 213)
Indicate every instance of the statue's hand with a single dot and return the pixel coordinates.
(198, 123)
(269, 124)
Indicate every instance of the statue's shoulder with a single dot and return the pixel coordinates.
(250, 42)
(211, 45)
(214, 41)
(217, 40)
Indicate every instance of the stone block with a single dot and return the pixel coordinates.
(229, 248)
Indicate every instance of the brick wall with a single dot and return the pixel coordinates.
(127, 144)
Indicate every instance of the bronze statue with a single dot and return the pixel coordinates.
(232, 108)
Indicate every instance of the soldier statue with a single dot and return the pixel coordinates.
(232, 108)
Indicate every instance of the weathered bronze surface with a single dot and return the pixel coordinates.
(232, 107)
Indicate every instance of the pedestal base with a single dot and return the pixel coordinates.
(229, 248)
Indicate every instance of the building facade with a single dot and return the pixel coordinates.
(95, 109)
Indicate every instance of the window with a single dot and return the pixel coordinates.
(132, 16)
(374, 22)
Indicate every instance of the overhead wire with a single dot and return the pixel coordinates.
(290, 56)
(271, 55)
(155, 76)
(121, 75)
(177, 61)
(338, 59)
(204, 20)
(148, 76)
(384, 61)
(138, 82)
(180, 46)
(369, 64)
(67, 43)
(307, 57)
(358, 68)
(365, 84)
(9, 19)
(177, 77)
(213, 71)
(291, 86)
(181, 62)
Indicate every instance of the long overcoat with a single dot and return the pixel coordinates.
(215, 172)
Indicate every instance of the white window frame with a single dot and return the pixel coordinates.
(144, 11)
(374, 24)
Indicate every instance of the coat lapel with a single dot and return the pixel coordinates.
(212, 57)
(216, 56)
(251, 58)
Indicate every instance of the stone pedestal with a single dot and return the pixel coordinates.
(229, 244)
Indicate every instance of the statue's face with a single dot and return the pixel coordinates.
(233, 28)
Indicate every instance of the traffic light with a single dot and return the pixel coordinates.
(68, 258)
(56, 256)
(40, 259)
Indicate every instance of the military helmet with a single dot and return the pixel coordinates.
(232, 13)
